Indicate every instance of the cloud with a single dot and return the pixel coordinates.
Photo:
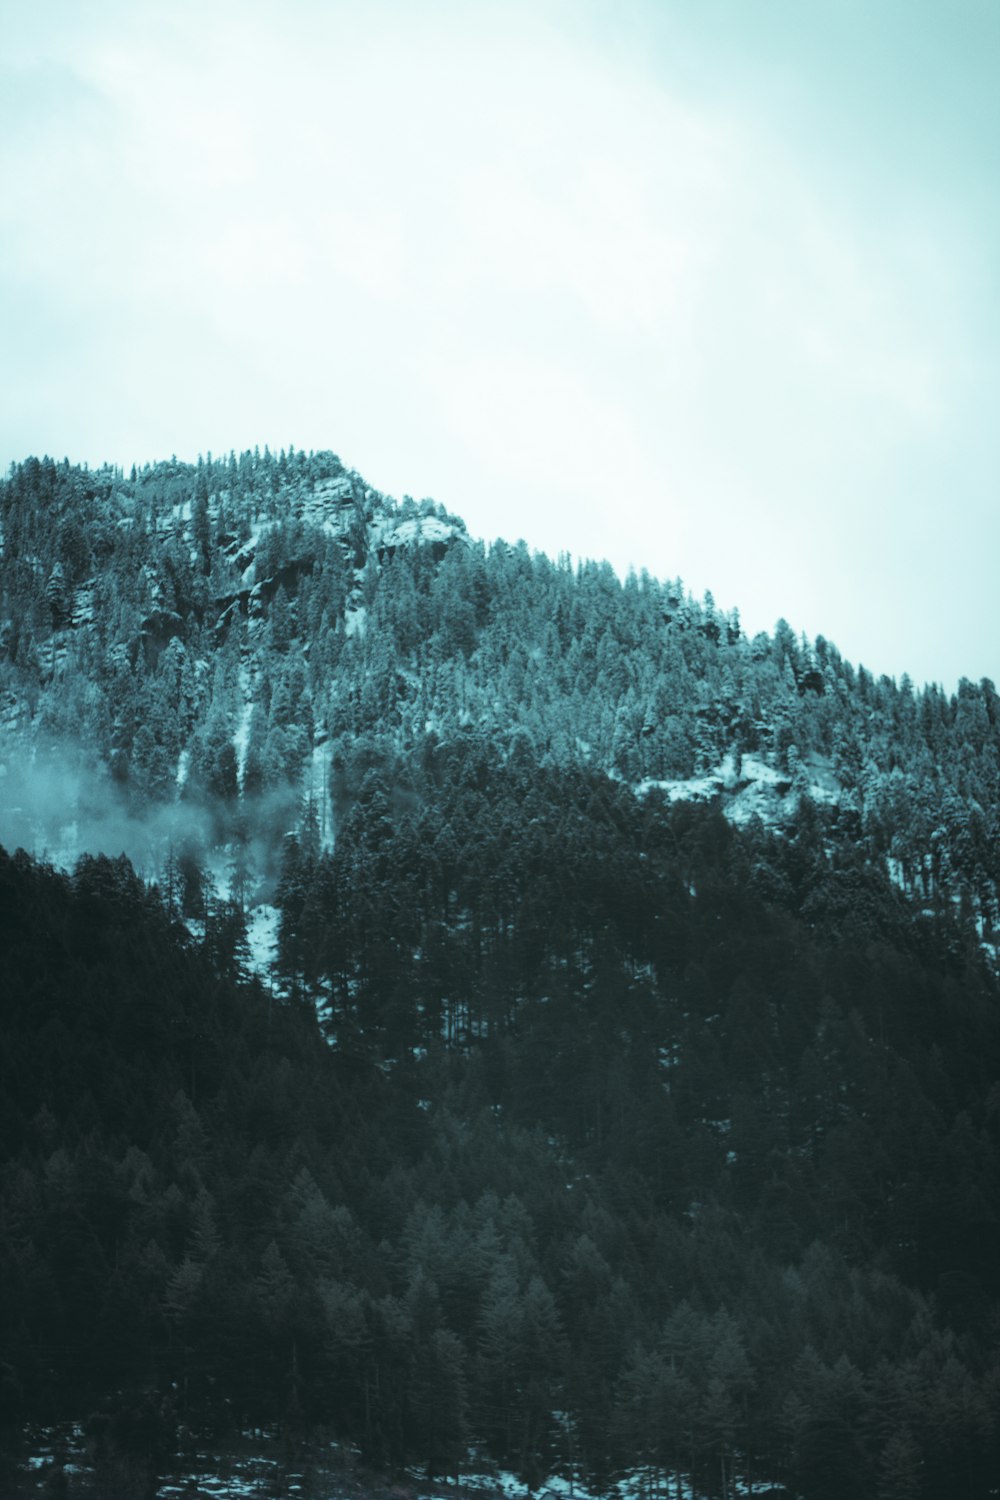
(490, 249)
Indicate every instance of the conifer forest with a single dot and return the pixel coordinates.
(473, 1014)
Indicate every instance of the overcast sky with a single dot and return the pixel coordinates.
(703, 286)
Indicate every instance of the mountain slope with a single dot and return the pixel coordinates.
(627, 1094)
(228, 630)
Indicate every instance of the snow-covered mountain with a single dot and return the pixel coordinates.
(620, 1105)
(187, 653)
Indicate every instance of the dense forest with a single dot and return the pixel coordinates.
(621, 1095)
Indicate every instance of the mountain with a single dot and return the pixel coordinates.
(210, 639)
(620, 1095)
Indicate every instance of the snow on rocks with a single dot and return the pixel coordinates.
(748, 787)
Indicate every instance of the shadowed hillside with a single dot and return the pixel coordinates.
(620, 1095)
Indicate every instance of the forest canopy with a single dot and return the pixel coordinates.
(622, 1093)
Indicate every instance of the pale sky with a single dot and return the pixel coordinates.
(705, 286)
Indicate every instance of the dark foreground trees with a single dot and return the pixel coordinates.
(659, 1185)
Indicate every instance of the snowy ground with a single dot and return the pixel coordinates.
(259, 1466)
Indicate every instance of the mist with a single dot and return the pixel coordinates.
(57, 806)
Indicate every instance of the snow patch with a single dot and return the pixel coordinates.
(241, 738)
(318, 792)
(693, 789)
(754, 770)
(415, 529)
(751, 788)
(634, 1484)
(262, 939)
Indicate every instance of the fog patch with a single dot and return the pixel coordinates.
(57, 805)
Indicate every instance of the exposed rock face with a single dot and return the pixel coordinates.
(161, 625)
